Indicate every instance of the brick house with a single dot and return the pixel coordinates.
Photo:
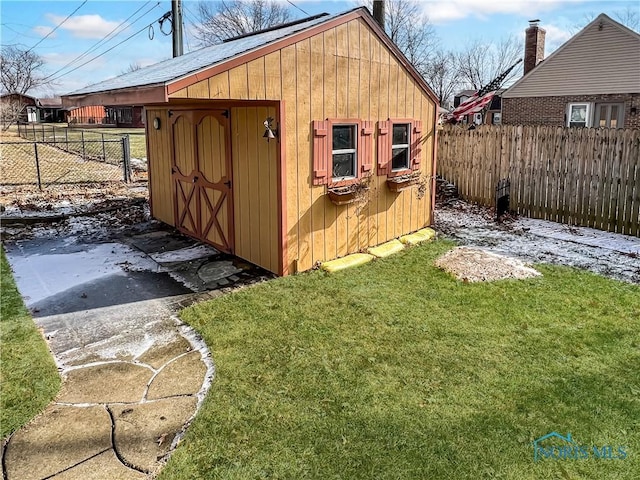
(593, 80)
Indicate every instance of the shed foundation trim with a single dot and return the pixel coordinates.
(386, 249)
(418, 237)
(349, 261)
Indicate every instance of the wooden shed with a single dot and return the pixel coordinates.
(287, 147)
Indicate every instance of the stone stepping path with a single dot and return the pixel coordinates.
(133, 378)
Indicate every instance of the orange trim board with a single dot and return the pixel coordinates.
(283, 267)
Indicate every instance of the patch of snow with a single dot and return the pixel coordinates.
(587, 236)
(42, 275)
(541, 241)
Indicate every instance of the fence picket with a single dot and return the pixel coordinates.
(587, 177)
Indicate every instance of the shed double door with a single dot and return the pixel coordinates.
(201, 173)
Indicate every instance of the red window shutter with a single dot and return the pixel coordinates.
(384, 147)
(365, 150)
(416, 147)
(321, 153)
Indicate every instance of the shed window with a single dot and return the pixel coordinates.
(400, 147)
(578, 115)
(344, 152)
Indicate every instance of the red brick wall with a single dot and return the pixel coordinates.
(552, 110)
(533, 47)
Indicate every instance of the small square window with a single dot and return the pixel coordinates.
(579, 115)
(400, 147)
(344, 152)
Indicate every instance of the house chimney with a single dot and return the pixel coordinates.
(378, 12)
(533, 45)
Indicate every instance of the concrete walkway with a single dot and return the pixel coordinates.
(133, 378)
(133, 374)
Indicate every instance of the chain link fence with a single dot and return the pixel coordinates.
(47, 155)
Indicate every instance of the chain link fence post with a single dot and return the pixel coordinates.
(35, 149)
(84, 155)
(104, 153)
(126, 159)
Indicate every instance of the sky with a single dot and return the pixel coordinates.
(101, 39)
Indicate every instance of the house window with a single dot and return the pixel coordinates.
(344, 152)
(125, 115)
(400, 147)
(578, 115)
(609, 115)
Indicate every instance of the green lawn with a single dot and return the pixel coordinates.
(28, 376)
(137, 137)
(394, 370)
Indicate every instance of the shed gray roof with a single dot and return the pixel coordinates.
(178, 67)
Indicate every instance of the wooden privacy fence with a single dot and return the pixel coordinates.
(577, 176)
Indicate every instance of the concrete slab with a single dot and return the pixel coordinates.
(161, 241)
(108, 313)
(104, 466)
(143, 433)
(110, 333)
(159, 354)
(183, 376)
(57, 439)
(106, 383)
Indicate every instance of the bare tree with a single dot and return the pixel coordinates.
(629, 17)
(134, 66)
(442, 75)
(480, 62)
(20, 72)
(219, 21)
(408, 26)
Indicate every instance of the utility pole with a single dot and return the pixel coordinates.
(378, 12)
(176, 21)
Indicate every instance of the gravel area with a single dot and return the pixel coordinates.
(538, 241)
(475, 265)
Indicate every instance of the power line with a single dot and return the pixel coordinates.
(108, 37)
(294, 5)
(189, 15)
(57, 26)
(108, 50)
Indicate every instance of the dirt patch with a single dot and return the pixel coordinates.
(94, 211)
(539, 241)
(474, 265)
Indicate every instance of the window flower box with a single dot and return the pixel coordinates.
(402, 182)
(347, 194)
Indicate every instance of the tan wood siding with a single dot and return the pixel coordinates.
(255, 187)
(346, 71)
(159, 162)
(597, 61)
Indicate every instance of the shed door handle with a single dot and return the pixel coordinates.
(228, 183)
